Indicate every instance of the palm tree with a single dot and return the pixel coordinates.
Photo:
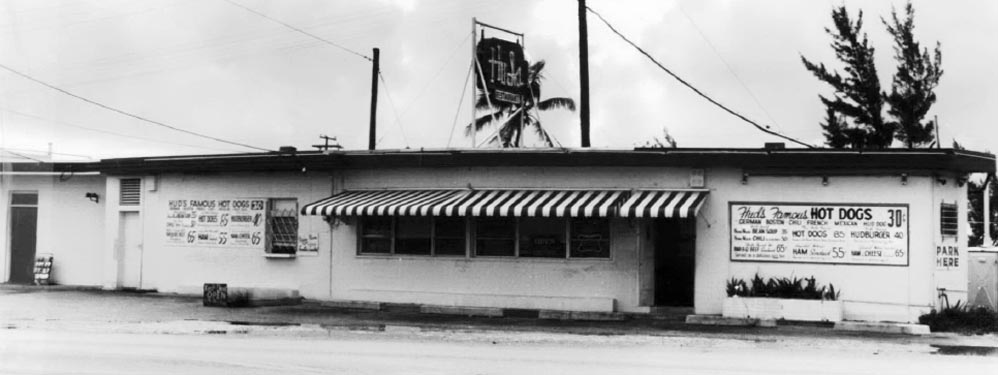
(514, 118)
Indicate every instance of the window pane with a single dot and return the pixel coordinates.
(376, 235)
(542, 237)
(590, 238)
(24, 198)
(495, 237)
(377, 226)
(450, 236)
(412, 235)
(376, 246)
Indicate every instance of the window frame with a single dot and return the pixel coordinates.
(471, 239)
(393, 237)
(271, 228)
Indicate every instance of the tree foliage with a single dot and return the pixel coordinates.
(857, 92)
(855, 113)
(912, 89)
(513, 119)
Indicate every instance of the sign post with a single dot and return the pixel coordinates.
(501, 71)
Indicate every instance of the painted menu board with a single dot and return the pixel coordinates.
(238, 222)
(875, 234)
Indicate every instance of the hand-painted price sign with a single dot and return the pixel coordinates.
(216, 222)
(874, 234)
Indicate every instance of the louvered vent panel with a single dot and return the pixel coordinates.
(131, 192)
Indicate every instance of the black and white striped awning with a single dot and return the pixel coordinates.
(509, 202)
(663, 203)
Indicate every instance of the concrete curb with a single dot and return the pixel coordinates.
(351, 305)
(717, 320)
(460, 310)
(884, 327)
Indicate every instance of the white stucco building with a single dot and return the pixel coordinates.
(579, 230)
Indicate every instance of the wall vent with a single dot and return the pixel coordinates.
(131, 192)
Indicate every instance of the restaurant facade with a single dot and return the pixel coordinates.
(553, 229)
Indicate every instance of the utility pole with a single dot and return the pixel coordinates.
(584, 73)
(374, 100)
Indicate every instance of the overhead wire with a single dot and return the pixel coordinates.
(22, 155)
(45, 152)
(446, 63)
(464, 90)
(125, 113)
(64, 123)
(691, 87)
(730, 69)
(398, 121)
(282, 23)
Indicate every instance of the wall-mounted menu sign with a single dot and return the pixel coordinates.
(819, 233)
(216, 222)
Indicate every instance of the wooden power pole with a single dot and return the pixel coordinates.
(374, 100)
(584, 73)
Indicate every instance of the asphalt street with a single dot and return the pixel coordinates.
(88, 332)
(40, 351)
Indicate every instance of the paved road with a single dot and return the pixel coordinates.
(43, 351)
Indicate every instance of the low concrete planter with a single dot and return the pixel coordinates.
(780, 308)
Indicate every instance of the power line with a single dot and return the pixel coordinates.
(22, 155)
(57, 122)
(8, 149)
(458, 110)
(730, 69)
(391, 102)
(251, 10)
(129, 114)
(691, 87)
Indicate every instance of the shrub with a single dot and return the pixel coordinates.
(963, 319)
(786, 287)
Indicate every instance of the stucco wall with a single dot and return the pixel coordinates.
(70, 226)
(870, 292)
(184, 269)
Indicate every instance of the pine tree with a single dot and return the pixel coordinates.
(858, 103)
(912, 90)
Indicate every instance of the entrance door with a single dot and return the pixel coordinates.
(130, 258)
(23, 236)
(675, 244)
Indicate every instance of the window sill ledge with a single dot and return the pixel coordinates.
(279, 256)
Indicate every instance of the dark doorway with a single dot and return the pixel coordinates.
(675, 246)
(23, 236)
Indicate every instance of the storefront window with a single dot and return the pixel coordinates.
(542, 237)
(590, 238)
(412, 235)
(376, 235)
(449, 236)
(495, 237)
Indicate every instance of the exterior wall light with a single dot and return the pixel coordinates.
(744, 178)
(824, 180)
(904, 179)
(93, 197)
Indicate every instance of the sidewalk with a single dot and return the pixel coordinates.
(82, 309)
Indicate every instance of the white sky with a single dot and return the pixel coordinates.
(211, 67)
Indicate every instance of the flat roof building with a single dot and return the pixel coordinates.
(547, 229)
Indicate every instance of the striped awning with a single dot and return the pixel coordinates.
(663, 203)
(383, 203)
(510, 202)
(553, 203)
